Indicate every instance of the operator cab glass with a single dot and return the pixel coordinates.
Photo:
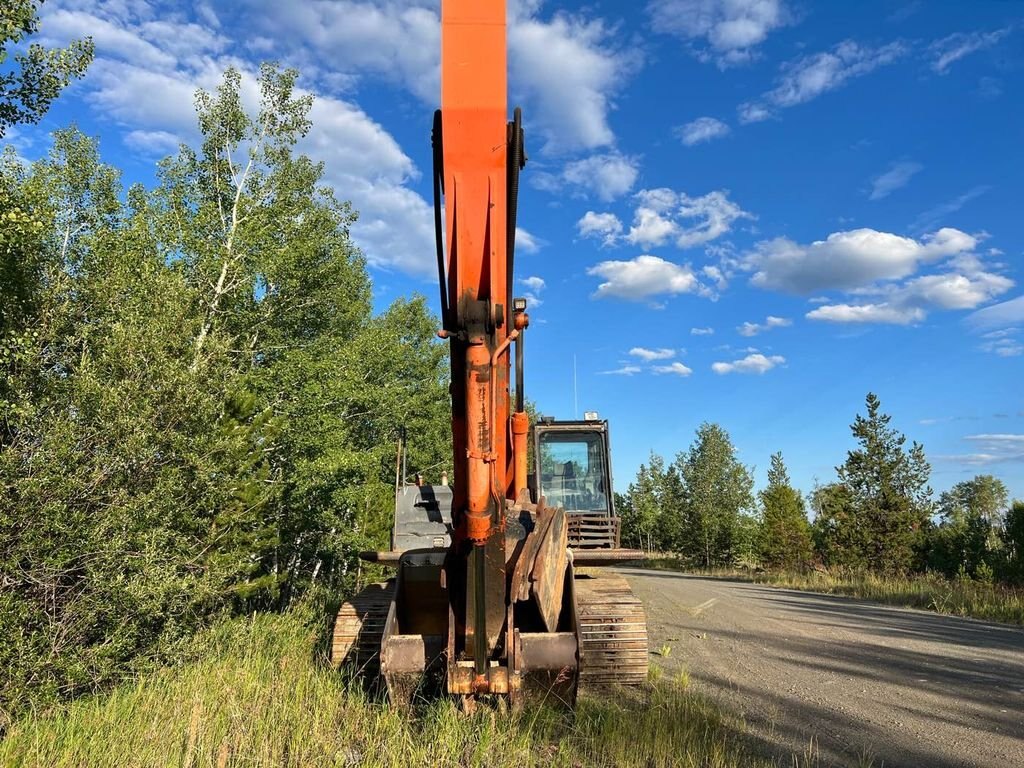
(572, 471)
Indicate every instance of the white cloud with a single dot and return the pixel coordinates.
(677, 368)
(527, 242)
(715, 274)
(995, 448)
(897, 177)
(1003, 343)
(811, 76)
(911, 302)
(662, 215)
(701, 130)
(753, 363)
(702, 331)
(1008, 313)
(848, 260)
(960, 44)
(397, 41)
(752, 329)
(569, 69)
(867, 313)
(647, 355)
(604, 226)
(626, 370)
(753, 113)
(933, 216)
(609, 176)
(643, 277)
(158, 143)
(731, 29)
(534, 285)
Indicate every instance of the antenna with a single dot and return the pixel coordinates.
(575, 400)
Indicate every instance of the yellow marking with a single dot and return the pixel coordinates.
(698, 609)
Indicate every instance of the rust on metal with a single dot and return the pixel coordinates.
(547, 577)
(594, 529)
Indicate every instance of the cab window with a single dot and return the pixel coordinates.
(572, 472)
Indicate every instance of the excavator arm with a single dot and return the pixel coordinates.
(500, 611)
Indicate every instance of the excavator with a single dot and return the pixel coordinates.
(498, 591)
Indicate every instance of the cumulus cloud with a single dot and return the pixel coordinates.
(647, 355)
(702, 331)
(811, 76)
(752, 363)
(701, 130)
(729, 31)
(663, 215)
(960, 44)
(605, 227)
(911, 302)
(608, 176)
(867, 313)
(569, 69)
(534, 285)
(897, 177)
(527, 242)
(753, 329)
(847, 260)
(642, 278)
(677, 369)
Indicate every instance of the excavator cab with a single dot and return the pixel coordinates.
(572, 470)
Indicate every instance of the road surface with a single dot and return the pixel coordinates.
(865, 682)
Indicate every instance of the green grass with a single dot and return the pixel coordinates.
(956, 597)
(256, 696)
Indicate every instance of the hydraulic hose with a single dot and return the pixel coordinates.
(516, 161)
(437, 144)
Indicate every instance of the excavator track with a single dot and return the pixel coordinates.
(613, 628)
(359, 629)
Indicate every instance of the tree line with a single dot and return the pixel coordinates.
(198, 405)
(879, 514)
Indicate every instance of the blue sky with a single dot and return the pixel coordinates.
(751, 212)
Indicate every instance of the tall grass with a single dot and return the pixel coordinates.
(956, 597)
(257, 697)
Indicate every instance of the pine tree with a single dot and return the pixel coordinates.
(889, 493)
(785, 532)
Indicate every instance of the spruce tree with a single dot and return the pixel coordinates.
(785, 532)
(890, 499)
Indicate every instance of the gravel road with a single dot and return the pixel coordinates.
(865, 682)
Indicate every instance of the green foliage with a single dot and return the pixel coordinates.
(1013, 539)
(256, 695)
(785, 540)
(39, 74)
(641, 508)
(968, 535)
(887, 500)
(716, 488)
(197, 407)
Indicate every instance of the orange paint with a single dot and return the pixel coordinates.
(474, 114)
